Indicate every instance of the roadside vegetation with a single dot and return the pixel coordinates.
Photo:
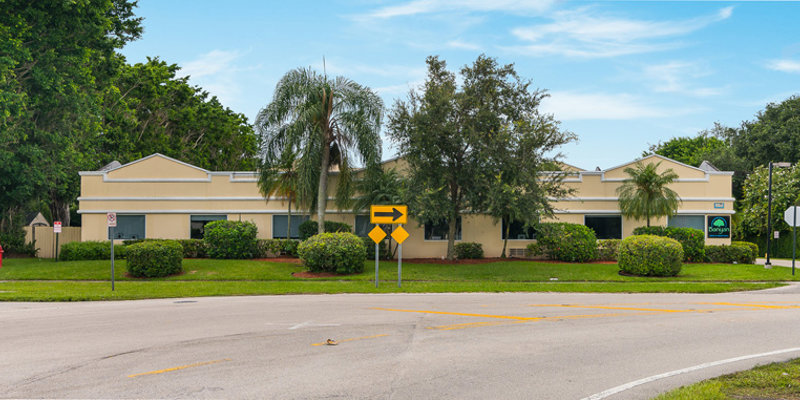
(767, 382)
(47, 280)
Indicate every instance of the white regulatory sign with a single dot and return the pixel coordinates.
(789, 216)
(56, 226)
(111, 219)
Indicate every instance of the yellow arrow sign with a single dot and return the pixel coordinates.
(388, 214)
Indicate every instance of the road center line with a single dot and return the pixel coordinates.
(661, 310)
(629, 385)
(161, 371)
(462, 314)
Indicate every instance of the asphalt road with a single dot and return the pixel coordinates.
(456, 346)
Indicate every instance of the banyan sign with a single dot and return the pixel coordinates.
(719, 226)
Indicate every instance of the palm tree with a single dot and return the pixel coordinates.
(646, 194)
(281, 181)
(325, 120)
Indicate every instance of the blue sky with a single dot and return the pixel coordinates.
(621, 74)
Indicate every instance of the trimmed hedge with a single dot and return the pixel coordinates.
(736, 253)
(468, 250)
(608, 249)
(533, 250)
(266, 248)
(155, 258)
(231, 239)
(650, 255)
(692, 240)
(78, 251)
(338, 252)
(567, 242)
(309, 228)
(194, 248)
(752, 246)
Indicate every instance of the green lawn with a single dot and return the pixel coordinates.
(766, 382)
(34, 279)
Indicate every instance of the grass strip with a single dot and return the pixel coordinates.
(130, 290)
(765, 382)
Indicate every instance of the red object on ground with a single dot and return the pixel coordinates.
(1, 256)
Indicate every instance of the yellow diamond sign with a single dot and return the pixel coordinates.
(400, 235)
(377, 234)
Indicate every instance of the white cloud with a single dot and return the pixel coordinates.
(678, 77)
(459, 44)
(791, 66)
(566, 106)
(582, 33)
(417, 7)
(217, 73)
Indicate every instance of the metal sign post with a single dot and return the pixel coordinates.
(790, 216)
(376, 234)
(400, 235)
(111, 221)
(57, 231)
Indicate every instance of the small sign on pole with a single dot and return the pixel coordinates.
(111, 221)
(389, 214)
(56, 226)
(776, 235)
(790, 216)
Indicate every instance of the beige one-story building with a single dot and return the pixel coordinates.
(160, 197)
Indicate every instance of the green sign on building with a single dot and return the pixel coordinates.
(719, 226)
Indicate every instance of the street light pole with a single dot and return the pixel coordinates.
(767, 264)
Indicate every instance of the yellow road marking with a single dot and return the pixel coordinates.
(658, 310)
(461, 314)
(554, 318)
(751, 305)
(352, 339)
(161, 371)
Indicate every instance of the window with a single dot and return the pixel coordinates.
(128, 227)
(605, 226)
(517, 231)
(363, 226)
(280, 223)
(439, 231)
(197, 224)
(688, 221)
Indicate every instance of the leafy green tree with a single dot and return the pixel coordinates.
(326, 120)
(646, 194)
(773, 136)
(689, 150)
(56, 58)
(452, 138)
(522, 194)
(785, 189)
(149, 109)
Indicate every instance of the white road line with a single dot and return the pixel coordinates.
(309, 323)
(629, 385)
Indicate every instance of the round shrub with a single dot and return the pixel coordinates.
(692, 240)
(750, 245)
(739, 254)
(468, 250)
(339, 252)
(650, 255)
(231, 239)
(533, 250)
(154, 259)
(567, 242)
(193, 248)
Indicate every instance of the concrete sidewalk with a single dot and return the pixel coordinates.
(778, 262)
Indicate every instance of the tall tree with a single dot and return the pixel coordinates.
(328, 121)
(449, 136)
(523, 194)
(57, 57)
(689, 150)
(646, 194)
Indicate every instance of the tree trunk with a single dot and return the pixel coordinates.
(289, 220)
(451, 237)
(505, 241)
(322, 193)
